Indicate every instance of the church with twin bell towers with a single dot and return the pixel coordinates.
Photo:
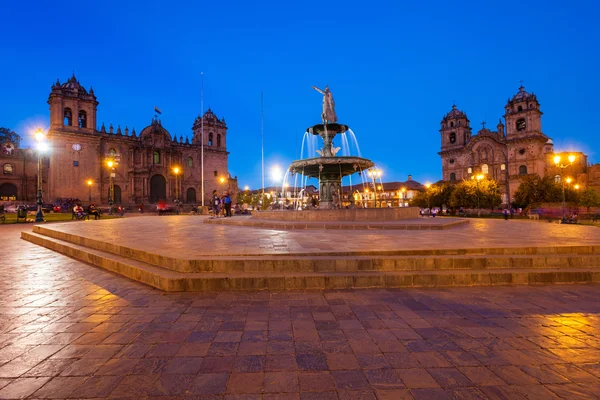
(517, 147)
(144, 162)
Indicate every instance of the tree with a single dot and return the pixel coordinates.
(470, 194)
(419, 200)
(589, 198)
(534, 189)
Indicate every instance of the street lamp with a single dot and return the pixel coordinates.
(42, 147)
(111, 187)
(478, 178)
(561, 166)
(176, 172)
(427, 186)
(89, 183)
(374, 173)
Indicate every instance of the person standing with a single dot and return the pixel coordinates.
(216, 202)
(227, 204)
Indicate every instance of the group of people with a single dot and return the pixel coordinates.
(80, 213)
(221, 204)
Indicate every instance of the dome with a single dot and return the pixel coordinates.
(155, 129)
(73, 84)
(455, 113)
(549, 141)
(522, 95)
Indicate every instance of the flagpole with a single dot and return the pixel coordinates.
(202, 135)
(262, 130)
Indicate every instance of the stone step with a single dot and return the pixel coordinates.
(167, 280)
(418, 225)
(458, 259)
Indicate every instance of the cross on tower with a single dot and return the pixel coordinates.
(521, 82)
(482, 124)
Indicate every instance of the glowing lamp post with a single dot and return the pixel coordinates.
(374, 173)
(42, 147)
(402, 194)
(427, 186)
(90, 183)
(111, 186)
(477, 179)
(176, 172)
(560, 166)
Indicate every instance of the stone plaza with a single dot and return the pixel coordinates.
(73, 330)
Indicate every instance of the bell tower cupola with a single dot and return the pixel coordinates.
(523, 116)
(455, 129)
(72, 107)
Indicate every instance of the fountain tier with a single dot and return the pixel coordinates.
(329, 168)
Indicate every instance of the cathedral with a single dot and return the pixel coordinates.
(517, 147)
(146, 167)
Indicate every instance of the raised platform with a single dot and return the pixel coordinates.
(344, 215)
(418, 224)
(179, 253)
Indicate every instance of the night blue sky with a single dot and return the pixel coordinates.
(394, 68)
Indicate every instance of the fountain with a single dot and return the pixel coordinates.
(329, 168)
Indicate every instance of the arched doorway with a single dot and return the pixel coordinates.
(158, 188)
(117, 194)
(191, 196)
(8, 191)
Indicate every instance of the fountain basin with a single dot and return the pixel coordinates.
(339, 166)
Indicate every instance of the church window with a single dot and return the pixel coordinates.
(523, 170)
(521, 124)
(8, 169)
(451, 124)
(556, 178)
(459, 123)
(190, 162)
(68, 117)
(530, 105)
(485, 169)
(502, 167)
(82, 119)
(465, 138)
(451, 161)
(76, 163)
(216, 173)
(520, 108)
(470, 170)
(210, 139)
(219, 140)
(453, 176)
(521, 151)
(157, 157)
(112, 153)
(452, 137)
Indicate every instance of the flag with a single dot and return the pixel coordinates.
(156, 110)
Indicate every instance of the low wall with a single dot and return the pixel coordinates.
(344, 214)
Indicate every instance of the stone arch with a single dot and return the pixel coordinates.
(8, 191)
(158, 188)
(82, 119)
(68, 117)
(191, 196)
(117, 199)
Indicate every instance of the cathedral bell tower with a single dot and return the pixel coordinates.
(72, 107)
(523, 116)
(455, 130)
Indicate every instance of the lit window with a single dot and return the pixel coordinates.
(470, 170)
(112, 153)
(484, 169)
(157, 157)
(8, 169)
(503, 167)
(190, 162)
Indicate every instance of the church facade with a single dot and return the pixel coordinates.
(147, 167)
(516, 148)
